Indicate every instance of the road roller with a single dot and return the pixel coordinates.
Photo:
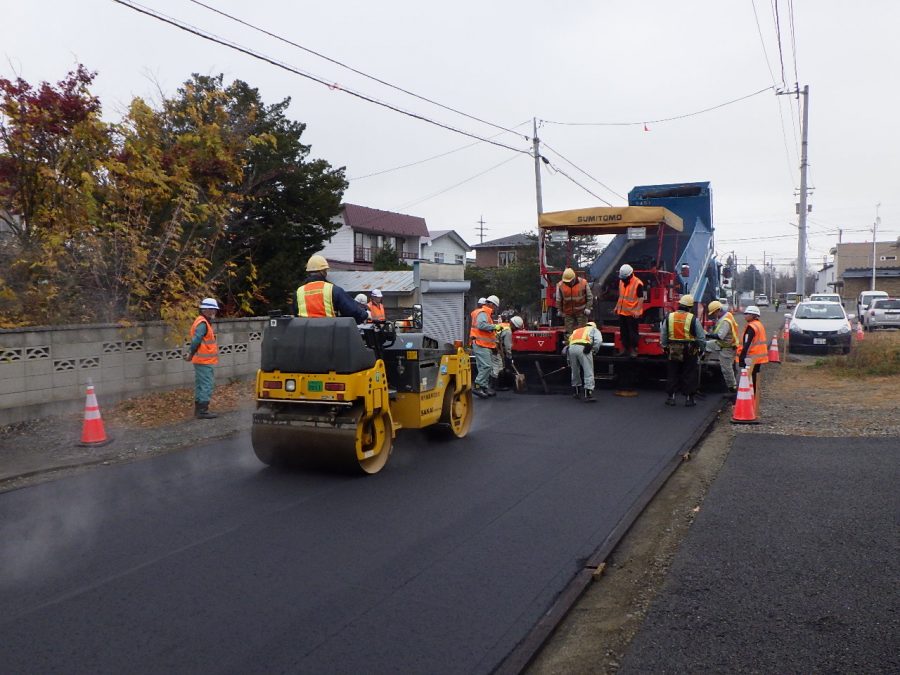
(333, 394)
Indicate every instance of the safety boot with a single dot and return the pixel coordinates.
(201, 412)
(479, 391)
(576, 393)
(670, 400)
(589, 396)
(689, 401)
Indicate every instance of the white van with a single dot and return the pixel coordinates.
(865, 299)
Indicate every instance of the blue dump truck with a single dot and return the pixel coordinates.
(666, 235)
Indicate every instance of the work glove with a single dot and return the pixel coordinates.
(742, 363)
(187, 356)
(565, 351)
(587, 311)
(587, 348)
(368, 315)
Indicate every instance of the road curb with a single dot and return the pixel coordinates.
(525, 652)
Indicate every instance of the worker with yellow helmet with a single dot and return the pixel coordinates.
(319, 298)
(573, 300)
(724, 340)
(683, 338)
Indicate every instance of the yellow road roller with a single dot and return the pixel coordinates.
(332, 394)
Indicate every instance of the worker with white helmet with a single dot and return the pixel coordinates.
(754, 350)
(204, 354)
(583, 343)
(683, 338)
(629, 309)
(573, 300)
(375, 305)
(484, 341)
(501, 358)
(318, 298)
(724, 340)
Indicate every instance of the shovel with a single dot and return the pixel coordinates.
(520, 378)
(543, 376)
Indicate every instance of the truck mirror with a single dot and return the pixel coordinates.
(417, 316)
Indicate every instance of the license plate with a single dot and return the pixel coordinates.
(819, 341)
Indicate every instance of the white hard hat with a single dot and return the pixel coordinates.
(376, 293)
(361, 299)
(625, 271)
(752, 309)
(481, 301)
(209, 303)
(493, 299)
(517, 322)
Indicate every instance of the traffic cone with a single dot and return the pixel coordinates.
(860, 335)
(773, 351)
(92, 432)
(744, 406)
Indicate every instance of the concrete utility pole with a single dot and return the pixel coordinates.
(874, 239)
(801, 244)
(537, 167)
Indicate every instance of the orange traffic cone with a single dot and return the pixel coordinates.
(773, 351)
(744, 406)
(860, 335)
(92, 432)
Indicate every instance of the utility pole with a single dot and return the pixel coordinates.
(802, 207)
(801, 245)
(536, 142)
(874, 239)
(542, 255)
(481, 229)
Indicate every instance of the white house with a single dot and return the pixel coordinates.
(825, 279)
(364, 232)
(445, 246)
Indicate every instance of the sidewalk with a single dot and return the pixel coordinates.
(791, 566)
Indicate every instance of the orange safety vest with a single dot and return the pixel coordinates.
(482, 338)
(681, 326)
(574, 298)
(630, 302)
(314, 300)
(759, 348)
(581, 336)
(377, 311)
(207, 353)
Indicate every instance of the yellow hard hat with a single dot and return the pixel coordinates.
(687, 300)
(316, 263)
(591, 323)
(714, 306)
(568, 275)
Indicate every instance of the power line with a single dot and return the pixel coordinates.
(422, 161)
(262, 57)
(353, 70)
(778, 36)
(560, 171)
(658, 121)
(560, 155)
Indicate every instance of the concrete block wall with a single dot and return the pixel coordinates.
(45, 370)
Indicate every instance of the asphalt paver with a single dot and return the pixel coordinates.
(207, 561)
(791, 566)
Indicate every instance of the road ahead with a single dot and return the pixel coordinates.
(206, 561)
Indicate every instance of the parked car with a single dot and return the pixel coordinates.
(790, 300)
(820, 326)
(863, 302)
(883, 313)
(826, 297)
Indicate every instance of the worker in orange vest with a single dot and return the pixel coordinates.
(204, 354)
(683, 338)
(319, 299)
(375, 307)
(573, 300)
(754, 348)
(629, 309)
(483, 337)
(583, 342)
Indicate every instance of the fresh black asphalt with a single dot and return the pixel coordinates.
(206, 561)
(792, 565)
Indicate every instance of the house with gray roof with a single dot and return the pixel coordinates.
(504, 251)
(445, 246)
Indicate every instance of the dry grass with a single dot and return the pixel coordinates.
(876, 356)
(162, 408)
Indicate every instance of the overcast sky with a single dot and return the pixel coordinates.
(506, 62)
